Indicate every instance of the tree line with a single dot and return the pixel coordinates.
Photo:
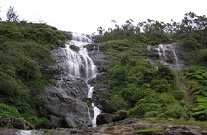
(154, 29)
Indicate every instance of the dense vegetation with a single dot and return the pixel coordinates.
(144, 91)
(25, 54)
(135, 86)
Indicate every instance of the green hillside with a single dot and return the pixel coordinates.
(24, 57)
(137, 87)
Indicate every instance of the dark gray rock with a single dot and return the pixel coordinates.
(167, 54)
(68, 35)
(15, 122)
(72, 110)
(74, 48)
(104, 118)
(73, 87)
(101, 59)
(57, 121)
(120, 115)
(103, 62)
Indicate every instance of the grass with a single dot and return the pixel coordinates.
(190, 122)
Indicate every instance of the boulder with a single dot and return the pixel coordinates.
(120, 115)
(64, 108)
(104, 118)
(15, 122)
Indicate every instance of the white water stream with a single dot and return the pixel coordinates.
(165, 55)
(80, 65)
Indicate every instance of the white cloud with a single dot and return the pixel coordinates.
(87, 15)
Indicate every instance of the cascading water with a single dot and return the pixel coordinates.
(167, 55)
(80, 65)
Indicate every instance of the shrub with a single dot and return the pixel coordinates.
(119, 76)
(43, 123)
(190, 44)
(9, 111)
(8, 85)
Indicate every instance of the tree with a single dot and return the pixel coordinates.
(100, 30)
(0, 17)
(128, 25)
(113, 24)
(12, 15)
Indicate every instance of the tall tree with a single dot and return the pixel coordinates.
(100, 30)
(0, 17)
(12, 15)
(113, 23)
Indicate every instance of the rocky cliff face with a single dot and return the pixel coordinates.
(66, 100)
(65, 103)
(103, 62)
(167, 54)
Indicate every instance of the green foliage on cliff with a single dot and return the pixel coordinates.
(137, 86)
(24, 54)
(8, 111)
(144, 91)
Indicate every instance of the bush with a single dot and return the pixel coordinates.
(117, 103)
(120, 115)
(119, 76)
(177, 111)
(154, 105)
(190, 44)
(43, 123)
(9, 111)
(201, 56)
(8, 85)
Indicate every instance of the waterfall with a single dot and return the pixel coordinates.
(168, 56)
(80, 65)
(96, 113)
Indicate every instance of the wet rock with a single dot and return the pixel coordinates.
(167, 54)
(74, 48)
(15, 122)
(72, 110)
(68, 35)
(104, 118)
(103, 62)
(121, 115)
(65, 104)
(57, 121)
(101, 59)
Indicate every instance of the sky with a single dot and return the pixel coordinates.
(85, 16)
